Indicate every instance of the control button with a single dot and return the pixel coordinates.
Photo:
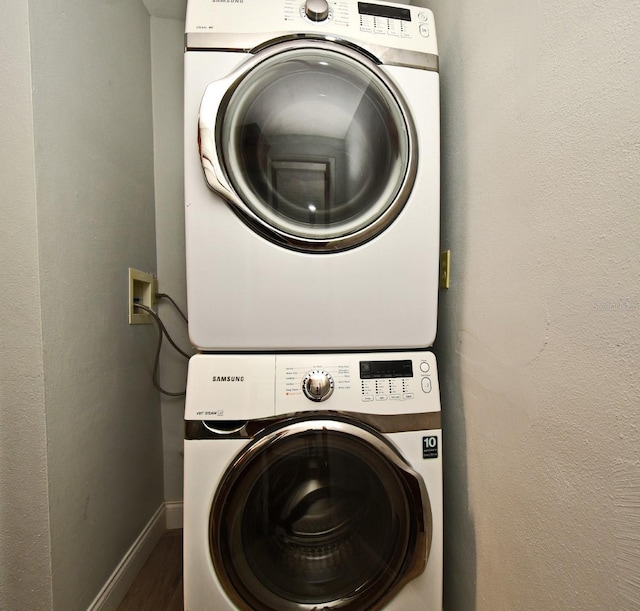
(367, 398)
(316, 10)
(423, 17)
(317, 385)
(425, 367)
(408, 396)
(381, 397)
(424, 30)
(366, 23)
(395, 397)
(426, 385)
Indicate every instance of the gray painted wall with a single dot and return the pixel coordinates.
(25, 565)
(539, 335)
(75, 369)
(167, 42)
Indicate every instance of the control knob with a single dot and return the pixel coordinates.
(316, 10)
(317, 385)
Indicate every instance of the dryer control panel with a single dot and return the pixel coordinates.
(245, 24)
(246, 386)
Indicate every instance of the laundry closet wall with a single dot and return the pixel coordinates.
(167, 52)
(539, 336)
(80, 435)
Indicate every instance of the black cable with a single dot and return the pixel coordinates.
(175, 305)
(162, 328)
(162, 331)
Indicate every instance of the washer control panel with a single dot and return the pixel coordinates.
(376, 18)
(249, 386)
(373, 383)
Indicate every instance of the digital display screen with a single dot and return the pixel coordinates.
(370, 370)
(379, 10)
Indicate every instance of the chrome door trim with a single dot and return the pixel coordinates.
(249, 429)
(254, 43)
(215, 97)
(417, 551)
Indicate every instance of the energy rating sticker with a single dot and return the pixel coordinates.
(430, 447)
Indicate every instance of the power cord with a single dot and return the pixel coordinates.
(162, 331)
(175, 305)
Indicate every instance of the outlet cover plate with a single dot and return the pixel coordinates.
(142, 290)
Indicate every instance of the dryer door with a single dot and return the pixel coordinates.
(312, 144)
(318, 514)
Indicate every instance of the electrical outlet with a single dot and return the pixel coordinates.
(142, 290)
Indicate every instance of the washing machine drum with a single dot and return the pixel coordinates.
(318, 514)
(311, 143)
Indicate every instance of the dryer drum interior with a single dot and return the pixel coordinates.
(317, 143)
(327, 516)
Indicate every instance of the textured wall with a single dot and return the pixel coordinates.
(167, 9)
(91, 74)
(25, 566)
(539, 335)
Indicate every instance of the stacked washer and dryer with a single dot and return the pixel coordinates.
(313, 454)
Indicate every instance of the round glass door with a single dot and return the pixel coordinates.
(318, 515)
(317, 143)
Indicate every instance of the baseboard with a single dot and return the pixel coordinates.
(121, 579)
(174, 514)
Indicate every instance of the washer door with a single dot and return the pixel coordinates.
(311, 143)
(318, 514)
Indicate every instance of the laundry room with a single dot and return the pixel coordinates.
(537, 335)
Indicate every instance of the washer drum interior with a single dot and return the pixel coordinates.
(319, 514)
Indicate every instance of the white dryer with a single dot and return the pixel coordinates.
(311, 175)
(313, 481)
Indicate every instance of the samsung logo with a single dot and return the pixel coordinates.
(227, 379)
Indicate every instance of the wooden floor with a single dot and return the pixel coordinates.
(158, 587)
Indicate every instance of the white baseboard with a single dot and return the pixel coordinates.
(174, 514)
(121, 579)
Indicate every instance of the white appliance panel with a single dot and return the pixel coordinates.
(246, 293)
(267, 385)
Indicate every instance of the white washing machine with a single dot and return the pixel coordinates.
(313, 481)
(311, 175)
